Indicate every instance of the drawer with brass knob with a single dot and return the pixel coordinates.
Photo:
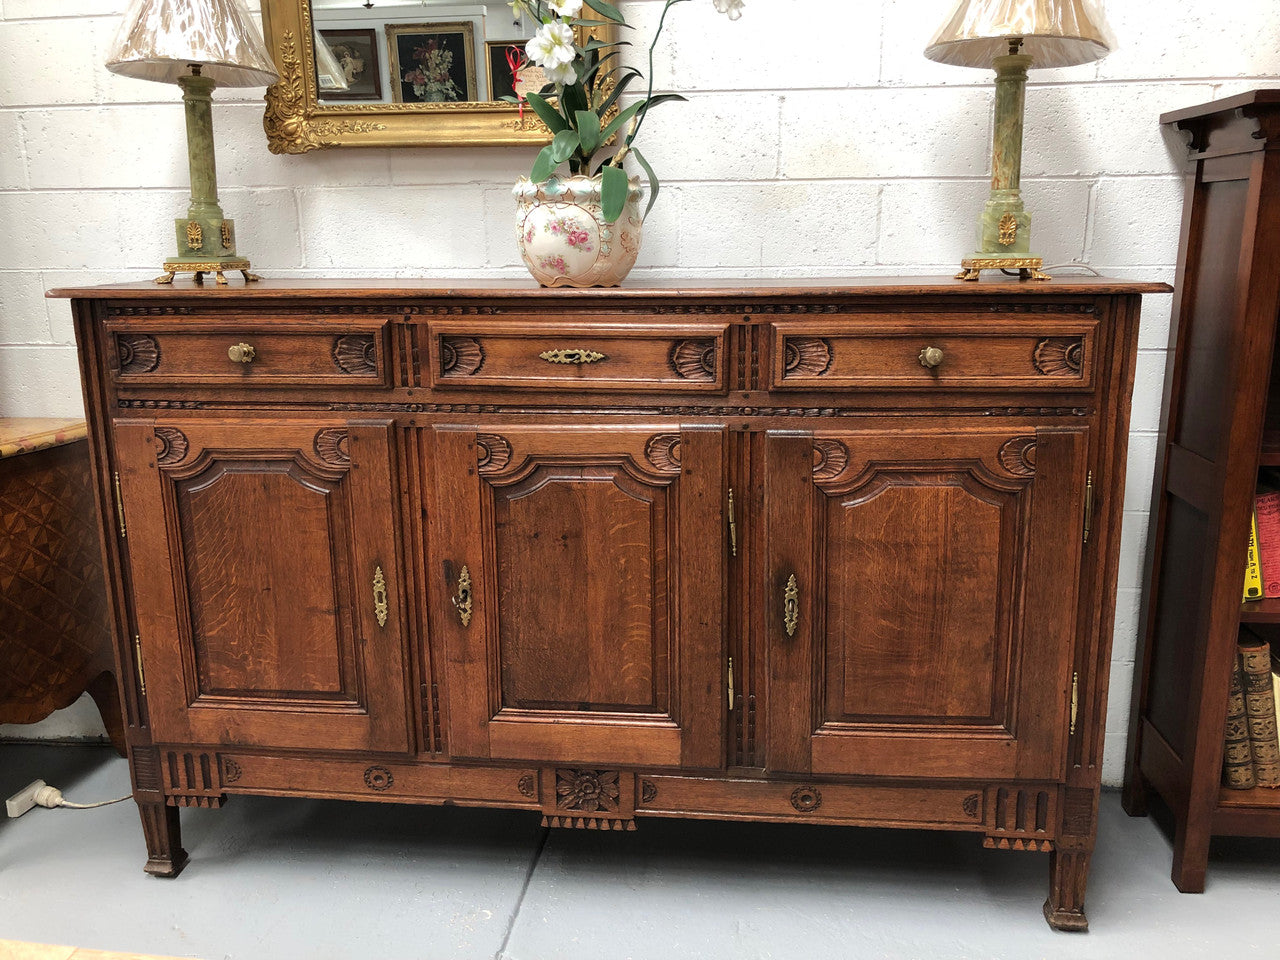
(948, 352)
(276, 355)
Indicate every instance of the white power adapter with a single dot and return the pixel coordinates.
(39, 793)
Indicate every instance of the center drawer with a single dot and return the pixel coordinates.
(935, 352)
(604, 353)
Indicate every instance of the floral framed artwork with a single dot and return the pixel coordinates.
(432, 62)
(502, 83)
(357, 54)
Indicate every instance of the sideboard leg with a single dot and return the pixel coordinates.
(1190, 858)
(165, 856)
(1134, 796)
(1068, 874)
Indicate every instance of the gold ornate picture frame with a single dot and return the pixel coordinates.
(296, 122)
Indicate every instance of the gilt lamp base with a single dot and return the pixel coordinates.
(216, 266)
(1029, 268)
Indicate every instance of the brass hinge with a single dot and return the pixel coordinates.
(119, 504)
(1088, 504)
(733, 527)
(137, 654)
(731, 683)
(1075, 699)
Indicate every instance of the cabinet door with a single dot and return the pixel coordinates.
(577, 588)
(929, 627)
(268, 598)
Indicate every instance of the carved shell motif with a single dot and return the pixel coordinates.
(830, 457)
(356, 353)
(460, 356)
(493, 452)
(1059, 356)
(171, 445)
(663, 451)
(332, 446)
(695, 359)
(1018, 456)
(805, 357)
(138, 352)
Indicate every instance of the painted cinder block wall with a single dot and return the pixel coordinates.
(818, 141)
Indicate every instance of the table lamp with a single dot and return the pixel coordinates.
(1011, 36)
(199, 45)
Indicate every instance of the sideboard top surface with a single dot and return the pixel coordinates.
(651, 289)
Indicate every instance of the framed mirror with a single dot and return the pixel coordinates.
(399, 73)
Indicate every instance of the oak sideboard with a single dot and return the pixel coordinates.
(833, 552)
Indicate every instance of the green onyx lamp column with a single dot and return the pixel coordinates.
(199, 45)
(1013, 36)
(206, 238)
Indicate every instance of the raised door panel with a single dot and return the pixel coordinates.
(265, 572)
(930, 625)
(578, 590)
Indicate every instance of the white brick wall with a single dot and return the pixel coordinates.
(820, 117)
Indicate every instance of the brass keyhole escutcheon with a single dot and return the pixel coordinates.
(931, 357)
(241, 353)
(791, 606)
(462, 599)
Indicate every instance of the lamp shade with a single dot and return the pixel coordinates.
(161, 39)
(1054, 33)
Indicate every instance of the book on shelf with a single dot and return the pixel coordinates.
(1253, 568)
(1260, 707)
(1237, 755)
(1266, 511)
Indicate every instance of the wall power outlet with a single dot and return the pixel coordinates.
(24, 799)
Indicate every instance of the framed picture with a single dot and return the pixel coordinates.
(432, 62)
(356, 53)
(501, 83)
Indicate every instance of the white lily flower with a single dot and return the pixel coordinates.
(564, 74)
(566, 8)
(552, 45)
(730, 8)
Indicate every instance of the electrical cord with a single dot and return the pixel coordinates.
(52, 797)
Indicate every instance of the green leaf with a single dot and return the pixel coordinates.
(653, 179)
(613, 192)
(618, 88)
(563, 145)
(594, 44)
(574, 98)
(544, 166)
(588, 131)
(549, 114)
(595, 67)
(606, 10)
(621, 120)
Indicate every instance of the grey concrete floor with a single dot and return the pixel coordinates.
(314, 880)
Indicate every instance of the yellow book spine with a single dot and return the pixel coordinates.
(1253, 569)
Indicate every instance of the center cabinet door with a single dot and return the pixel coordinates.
(577, 587)
(922, 594)
(263, 560)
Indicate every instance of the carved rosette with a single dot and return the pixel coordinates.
(695, 359)
(332, 446)
(356, 354)
(460, 356)
(171, 445)
(1059, 356)
(231, 771)
(528, 786)
(590, 791)
(138, 352)
(971, 805)
(648, 791)
(805, 357)
(663, 451)
(830, 457)
(378, 778)
(1018, 456)
(806, 799)
(493, 452)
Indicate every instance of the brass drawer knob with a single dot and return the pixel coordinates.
(931, 357)
(241, 353)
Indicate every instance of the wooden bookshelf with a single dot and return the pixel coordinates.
(1219, 427)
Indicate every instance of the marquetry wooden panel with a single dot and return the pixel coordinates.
(152, 351)
(54, 637)
(296, 645)
(595, 562)
(1045, 353)
(610, 353)
(916, 560)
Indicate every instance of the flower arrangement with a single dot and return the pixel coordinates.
(575, 105)
(430, 78)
